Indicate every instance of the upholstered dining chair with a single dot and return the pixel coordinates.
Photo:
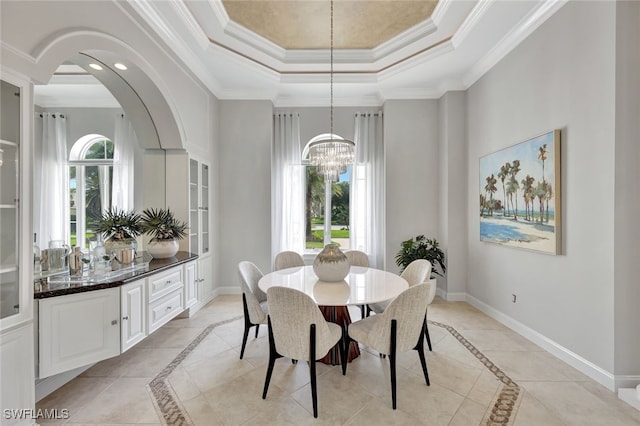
(254, 300)
(298, 330)
(398, 329)
(358, 258)
(288, 259)
(416, 272)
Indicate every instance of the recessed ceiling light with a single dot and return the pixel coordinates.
(96, 67)
(120, 66)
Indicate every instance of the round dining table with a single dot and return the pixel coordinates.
(361, 287)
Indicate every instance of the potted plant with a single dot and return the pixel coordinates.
(421, 247)
(165, 231)
(120, 228)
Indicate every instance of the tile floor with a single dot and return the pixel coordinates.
(481, 373)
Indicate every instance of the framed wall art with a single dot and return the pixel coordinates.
(520, 197)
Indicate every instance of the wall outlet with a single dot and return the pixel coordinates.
(513, 298)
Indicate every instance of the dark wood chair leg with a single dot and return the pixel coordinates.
(344, 349)
(363, 311)
(420, 348)
(257, 329)
(247, 324)
(392, 362)
(273, 355)
(426, 334)
(312, 368)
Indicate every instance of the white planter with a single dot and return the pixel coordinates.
(161, 249)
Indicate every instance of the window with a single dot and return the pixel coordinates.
(326, 199)
(90, 183)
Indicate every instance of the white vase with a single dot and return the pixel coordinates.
(161, 249)
(331, 264)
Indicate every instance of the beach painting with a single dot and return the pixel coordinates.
(520, 195)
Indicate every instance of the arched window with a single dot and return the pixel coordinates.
(327, 205)
(90, 183)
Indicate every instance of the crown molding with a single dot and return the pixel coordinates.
(440, 11)
(404, 39)
(479, 10)
(192, 24)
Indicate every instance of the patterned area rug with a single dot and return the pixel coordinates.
(173, 414)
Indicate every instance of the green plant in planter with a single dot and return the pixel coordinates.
(119, 225)
(421, 247)
(161, 225)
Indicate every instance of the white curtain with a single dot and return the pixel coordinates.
(124, 142)
(367, 190)
(287, 206)
(51, 206)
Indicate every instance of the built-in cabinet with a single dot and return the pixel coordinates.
(16, 291)
(133, 313)
(78, 329)
(194, 204)
(191, 283)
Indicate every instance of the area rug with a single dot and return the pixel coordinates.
(503, 406)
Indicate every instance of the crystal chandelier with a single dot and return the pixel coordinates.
(331, 154)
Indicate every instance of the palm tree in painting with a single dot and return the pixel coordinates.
(527, 194)
(541, 193)
(490, 187)
(512, 188)
(548, 196)
(505, 170)
(513, 171)
(542, 156)
(483, 204)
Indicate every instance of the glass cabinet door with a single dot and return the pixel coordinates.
(204, 208)
(9, 196)
(194, 215)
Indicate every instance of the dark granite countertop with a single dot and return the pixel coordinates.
(60, 285)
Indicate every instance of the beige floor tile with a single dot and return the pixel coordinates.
(450, 373)
(534, 366)
(210, 346)
(495, 340)
(125, 401)
(74, 395)
(201, 412)
(469, 413)
(533, 412)
(378, 411)
(485, 388)
(217, 371)
(182, 384)
(167, 337)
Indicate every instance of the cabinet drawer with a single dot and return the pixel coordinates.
(164, 309)
(164, 283)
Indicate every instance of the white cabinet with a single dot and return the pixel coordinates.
(199, 235)
(191, 282)
(166, 297)
(78, 329)
(133, 313)
(205, 281)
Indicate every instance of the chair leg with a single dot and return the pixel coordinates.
(312, 368)
(426, 334)
(273, 355)
(344, 348)
(247, 324)
(420, 348)
(392, 362)
(363, 311)
(257, 329)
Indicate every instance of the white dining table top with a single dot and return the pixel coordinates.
(362, 285)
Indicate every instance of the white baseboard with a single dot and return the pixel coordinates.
(455, 297)
(47, 385)
(576, 361)
(630, 396)
(227, 290)
(627, 381)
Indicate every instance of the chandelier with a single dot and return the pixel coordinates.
(331, 154)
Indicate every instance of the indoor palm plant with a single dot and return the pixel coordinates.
(119, 228)
(165, 231)
(421, 247)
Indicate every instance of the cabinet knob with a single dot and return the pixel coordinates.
(201, 280)
(168, 282)
(114, 322)
(169, 308)
(125, 318)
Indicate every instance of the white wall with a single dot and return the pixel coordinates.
(411, 173)
(244, 185)
(452, 202)
(561, 77)
(627, 196)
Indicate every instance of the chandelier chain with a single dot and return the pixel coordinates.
(331, 71)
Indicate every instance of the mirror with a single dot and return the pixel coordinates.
(91, 107)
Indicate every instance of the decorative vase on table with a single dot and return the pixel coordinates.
(331, 264)
(162, 249)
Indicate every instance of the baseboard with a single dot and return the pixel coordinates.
(455, 297)
(630, 396)
(627, 381)
(576, 361)
(227, 290)
(47, 385)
